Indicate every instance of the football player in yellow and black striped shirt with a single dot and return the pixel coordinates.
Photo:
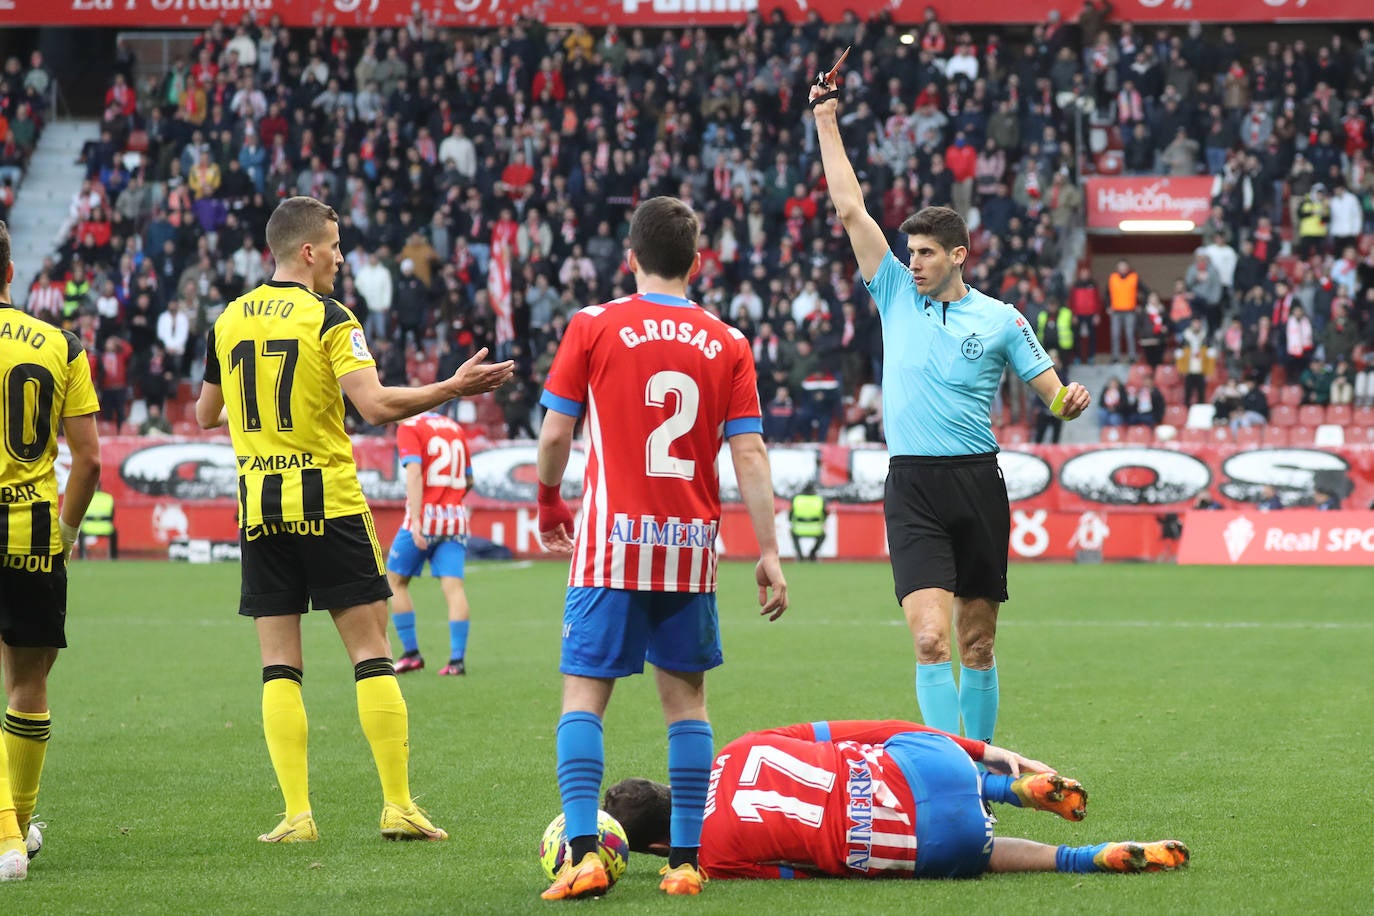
(45, 382)
(276, 361)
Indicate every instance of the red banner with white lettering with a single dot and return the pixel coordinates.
(1111, 501)
(163, 14)
(1303, 537)
(1124, 204)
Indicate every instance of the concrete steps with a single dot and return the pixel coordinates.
(41, 207)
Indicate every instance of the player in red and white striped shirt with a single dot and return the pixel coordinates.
(661, 384)
(874, 799)
(438, 469)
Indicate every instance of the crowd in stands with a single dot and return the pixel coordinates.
(25, 106)
(441, 149)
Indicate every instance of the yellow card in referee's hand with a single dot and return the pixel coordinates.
(1057, 405)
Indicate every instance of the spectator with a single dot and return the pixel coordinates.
(112, 372)
(1085, 301)
(1269, 499)
(1298, 341)
(1195, 363)
(1323, 500)
(1316, 382)
(1113, 403)
(375, 284)
(155, 424)
(1204, 284)
(1314, 213)
(1123, 296)
(779, 416)
(1226, 402)
(411, 305)
(1153, 331)
(1342, 384)
(1254, 407)
(1146, 406)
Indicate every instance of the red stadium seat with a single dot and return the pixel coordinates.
(1276, 437)
(1138, 375)
(1340, 414)
(1166, 376)
(1355, 434)
(1250, 436)
(1312, 415)
(1176, 415)
(1111, 434)
(1196, 436)
(1363, 416)
(1301, 435)
(1140, 435)
(1272, 393)
(1292, 395)
(186, 428)
(1013, 435)
(1283, 415)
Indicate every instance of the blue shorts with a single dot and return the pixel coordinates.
(953, 829)
(611, 632)
(446, 557)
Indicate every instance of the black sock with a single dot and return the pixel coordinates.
(581, 845)
(682, 855)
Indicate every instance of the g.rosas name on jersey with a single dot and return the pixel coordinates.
(670, 331)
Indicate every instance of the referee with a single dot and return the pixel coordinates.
(945, 346)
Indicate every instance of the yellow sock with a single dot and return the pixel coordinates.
(382, 711)
(9, 826)
(285, 727)
(26, 745)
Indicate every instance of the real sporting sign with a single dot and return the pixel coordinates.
(1303, 537)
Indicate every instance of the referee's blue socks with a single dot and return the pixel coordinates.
(405, 630)
(978, 701)
(581, 763)
(690, 753)
(937, 696)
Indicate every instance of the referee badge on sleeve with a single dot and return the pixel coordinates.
(972, 348)
(359, 344)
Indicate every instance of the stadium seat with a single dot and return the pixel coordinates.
(1194, 436)
(1283, 415)
(1291, 395)
(1140, 435)
(1276, 437)
(1176, 415)
(1362, 416)
(1339, 414)
(1302, 435)
(186, 428)
(1138, 375)
(1272, 393)
(1329, 435)
(1311, 415)
(1110, 162)
(1166, 376)
(1250, 436)
(1354, 434)
(1013, 435)
(1111, 434)
(1200, 416)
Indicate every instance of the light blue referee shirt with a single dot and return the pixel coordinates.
(942, 362)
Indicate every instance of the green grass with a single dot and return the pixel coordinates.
(1226, 707)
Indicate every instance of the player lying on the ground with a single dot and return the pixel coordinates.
(874, 799)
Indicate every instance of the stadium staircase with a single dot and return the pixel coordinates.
(1094, 378)
(44, 198)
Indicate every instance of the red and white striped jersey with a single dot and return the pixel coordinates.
(438, 445)
(662, 383)
(811, 800)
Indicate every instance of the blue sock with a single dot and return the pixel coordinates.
(1078, 860)
(997, 787)
(978, 701)
(457, 638)
(581, 762)
(690, 753)
(405, 629)
(937, 697)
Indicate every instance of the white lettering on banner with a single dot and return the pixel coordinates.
(1025, 475)
(1092, 532)
(1280, 541)
(1028, 535)
(674, 7)
(1151, 199)
(1105, 476)
(527, 531)
(1345, 540)
(163, 6)
(352, 6)
(1293, 469)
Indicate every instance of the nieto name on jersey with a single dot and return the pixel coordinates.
(666, 330)
(262, 308)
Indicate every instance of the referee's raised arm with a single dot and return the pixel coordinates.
(865, 235)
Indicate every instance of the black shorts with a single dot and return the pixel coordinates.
(948, 525)
(333, 563)
(33, 602)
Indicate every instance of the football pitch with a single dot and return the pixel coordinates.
(1228, 708)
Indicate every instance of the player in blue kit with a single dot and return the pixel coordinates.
(945, 346)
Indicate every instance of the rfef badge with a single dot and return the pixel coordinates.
(972, 348)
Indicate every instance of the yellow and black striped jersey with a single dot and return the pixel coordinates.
(45, 377)
(279, 351)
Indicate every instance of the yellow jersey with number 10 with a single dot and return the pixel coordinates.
(278, 352)
(44, 377)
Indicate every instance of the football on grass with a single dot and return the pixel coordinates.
(611, 844)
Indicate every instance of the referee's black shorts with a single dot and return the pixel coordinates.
(948, 525)
(332, 563)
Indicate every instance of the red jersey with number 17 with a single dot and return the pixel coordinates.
(662, 382)
(816, 799)
(438, 445)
